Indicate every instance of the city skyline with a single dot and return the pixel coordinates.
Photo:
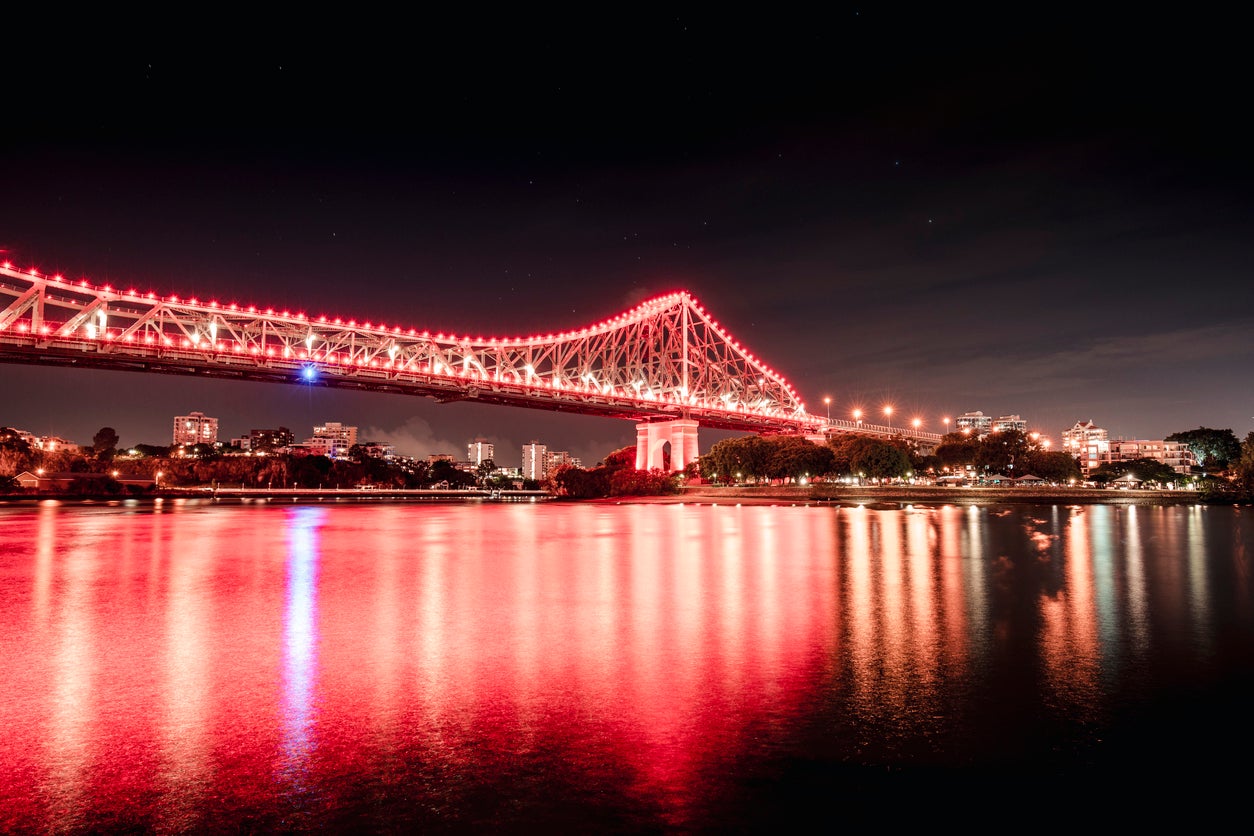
(1051, 221)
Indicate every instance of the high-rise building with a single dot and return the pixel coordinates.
(337, 438)
(534, 461)
(478, 450)
(1010, 422)
(196, 428)
(974, 423)
(1089, 443)
(267, 440)
(559, 458)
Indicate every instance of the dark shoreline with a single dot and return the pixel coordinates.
(838, 495)
(929, 495)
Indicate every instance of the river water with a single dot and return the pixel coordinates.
(374, 666)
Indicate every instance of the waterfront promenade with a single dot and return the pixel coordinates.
(929, 494)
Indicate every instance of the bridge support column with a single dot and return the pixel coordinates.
(651, 438)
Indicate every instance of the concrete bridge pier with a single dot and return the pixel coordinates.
(652, 437)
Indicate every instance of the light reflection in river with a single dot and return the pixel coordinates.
(205, 666)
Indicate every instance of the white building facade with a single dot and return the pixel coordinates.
(336, 437)
(535, 461)
(196, 428)
(1174, 454)
(479, 450)
(974, 423)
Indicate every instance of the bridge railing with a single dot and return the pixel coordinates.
(840, 425)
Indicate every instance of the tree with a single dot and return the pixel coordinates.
(104, 443)
(881, 460)
(16, 454)
(1052, 466)
(623, 457)
(794, 458)
(151, 451)
(1213, 449)
(311, 471)
(997, 452)
(957, 450)
(655, 482)
(845, 448)
(446, 471)
(1245, 466)
(1149, 471)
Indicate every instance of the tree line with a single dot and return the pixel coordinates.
(749, 459)
(205, 464)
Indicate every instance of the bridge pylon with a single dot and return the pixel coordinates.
(652, 438)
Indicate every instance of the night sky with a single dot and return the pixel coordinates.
(1043, 216)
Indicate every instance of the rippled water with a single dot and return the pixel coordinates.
(387, 667)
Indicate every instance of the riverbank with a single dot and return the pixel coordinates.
(830, 494)
(287, 494)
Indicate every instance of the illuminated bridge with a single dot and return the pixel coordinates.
(665, 364)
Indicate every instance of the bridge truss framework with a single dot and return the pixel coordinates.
(666, 360)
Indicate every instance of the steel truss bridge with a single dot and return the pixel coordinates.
(665, 364)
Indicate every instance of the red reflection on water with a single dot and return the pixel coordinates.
(210, 666)
(1070, 644)
(180, 669)
(905, 601)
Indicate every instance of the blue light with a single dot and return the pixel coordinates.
(309, 373)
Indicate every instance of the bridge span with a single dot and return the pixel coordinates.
(666, 364)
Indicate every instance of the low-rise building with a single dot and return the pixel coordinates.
(1175, 454)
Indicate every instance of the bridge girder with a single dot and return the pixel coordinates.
(662, 360)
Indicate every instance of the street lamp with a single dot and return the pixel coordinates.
(828, 403)
(857, 416)
(916, 422)
(946, 422)
(888, 415)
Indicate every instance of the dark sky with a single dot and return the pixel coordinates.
(1041, 215)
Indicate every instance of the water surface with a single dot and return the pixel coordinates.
(375, 666)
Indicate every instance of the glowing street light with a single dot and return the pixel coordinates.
(857, 416)
(828, 403)
(888, 415)
(946, 422)
(917, 423)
